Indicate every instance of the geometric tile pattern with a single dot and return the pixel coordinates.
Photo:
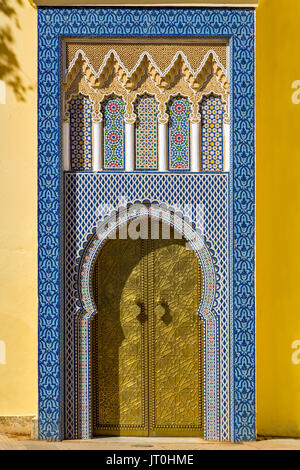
(239, 26)
(113, 110)
(203, 199)
(179, 133)
(146, 109)
(212, 113)
(81, 133)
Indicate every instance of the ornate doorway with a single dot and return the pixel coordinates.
(147, 347)
(146, 104)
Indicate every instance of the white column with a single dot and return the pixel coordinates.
(97, 146)
(195, 146)
(163, 164)
(66, 146)
(226, 147)
(129, 146)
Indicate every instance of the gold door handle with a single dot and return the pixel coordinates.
(164, 310)
(141, 317)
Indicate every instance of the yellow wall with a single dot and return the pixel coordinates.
(18, 209)
(278, 220)
(278, 223)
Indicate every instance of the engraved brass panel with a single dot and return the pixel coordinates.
(147, 339)
(175, 346)
(120, 384)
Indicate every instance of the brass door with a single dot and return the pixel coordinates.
(147, 372)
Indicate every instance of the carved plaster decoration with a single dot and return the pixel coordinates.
(113, 78)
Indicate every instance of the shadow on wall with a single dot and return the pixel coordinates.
(10, 70)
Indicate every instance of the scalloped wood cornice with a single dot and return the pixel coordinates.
(114, 79)
(145, 67)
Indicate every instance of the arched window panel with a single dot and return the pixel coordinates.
(212, 134)
(81, 150)
(179, 133)
(113, 110)
(146, 110)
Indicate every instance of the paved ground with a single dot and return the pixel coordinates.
(125, 443)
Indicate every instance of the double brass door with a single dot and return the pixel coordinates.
(147, 368)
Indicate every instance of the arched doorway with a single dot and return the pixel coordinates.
(84, 321)
(147, 337)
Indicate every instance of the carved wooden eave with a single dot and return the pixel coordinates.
(145, 67)
(113, 78)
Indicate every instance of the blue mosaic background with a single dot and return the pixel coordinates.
(238, 24)
(203, 199)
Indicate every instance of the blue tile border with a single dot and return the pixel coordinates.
(236, 24)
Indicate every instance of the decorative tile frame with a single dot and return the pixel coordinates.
(238, 26)
(89, 199)
(206, 311)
